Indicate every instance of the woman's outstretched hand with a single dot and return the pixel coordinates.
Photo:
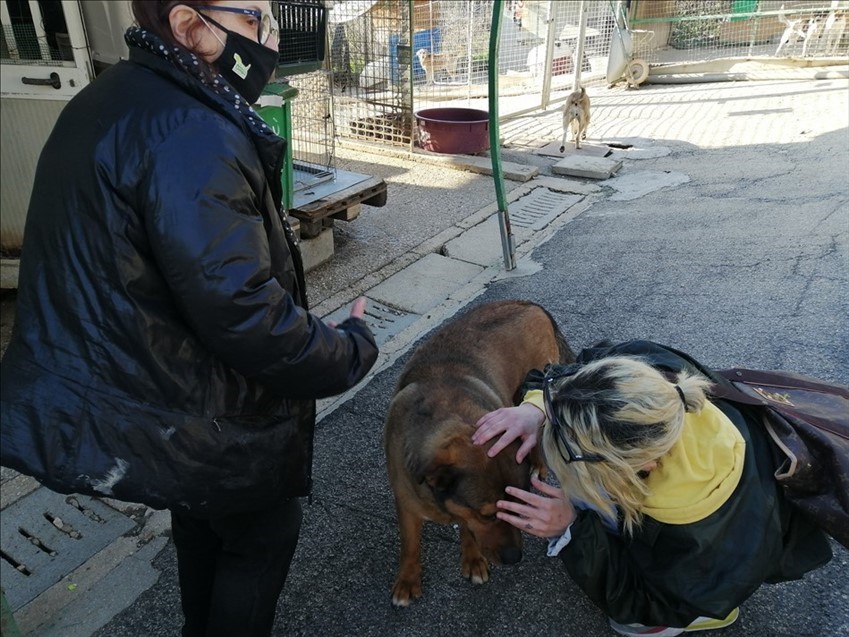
(358, 310)
(546, 516)
(522, 422)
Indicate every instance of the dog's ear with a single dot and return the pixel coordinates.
(442, 480)
(423, 470)
(537, 462)
(444, 469)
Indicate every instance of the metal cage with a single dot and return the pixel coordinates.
(302, 43)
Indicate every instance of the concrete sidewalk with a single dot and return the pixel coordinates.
(429, 252)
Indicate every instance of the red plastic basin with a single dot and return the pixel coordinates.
(457, 131)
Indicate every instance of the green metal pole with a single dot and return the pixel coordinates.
(8, 627)
(507, 244)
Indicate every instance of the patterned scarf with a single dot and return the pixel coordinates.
(189, 63)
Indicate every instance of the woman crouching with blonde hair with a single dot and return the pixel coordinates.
(668, 515)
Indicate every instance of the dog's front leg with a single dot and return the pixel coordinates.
(475, 566)
(565, 134)
(408, 584)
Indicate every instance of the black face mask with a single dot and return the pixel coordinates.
(245, 63)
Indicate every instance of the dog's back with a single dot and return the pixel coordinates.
(508, 338)
(471, 366)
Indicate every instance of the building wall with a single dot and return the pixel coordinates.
(24, 127)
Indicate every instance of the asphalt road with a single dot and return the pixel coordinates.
(746, 264)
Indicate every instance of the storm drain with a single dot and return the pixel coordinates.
(540, 207)
(384, 321)
(46, 535)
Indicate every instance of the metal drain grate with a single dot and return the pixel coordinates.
(46, 535)
(540, 207)
(384, 321)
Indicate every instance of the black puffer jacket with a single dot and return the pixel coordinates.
(162, 350)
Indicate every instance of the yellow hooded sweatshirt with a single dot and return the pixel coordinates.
(700, 472)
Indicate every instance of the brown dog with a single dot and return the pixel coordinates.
(471, 366)
(433, 62)
(577, 112)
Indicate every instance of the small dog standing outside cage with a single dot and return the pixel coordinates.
(661, 489)
(576, 113)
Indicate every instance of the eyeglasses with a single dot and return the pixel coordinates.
(266, 23)
(559, 425)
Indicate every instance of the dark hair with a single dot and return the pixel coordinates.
(152, 16)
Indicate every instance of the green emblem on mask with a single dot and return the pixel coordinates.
(239, 67)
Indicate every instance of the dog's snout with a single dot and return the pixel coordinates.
(511, 555)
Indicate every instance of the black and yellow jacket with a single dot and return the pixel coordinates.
(716, 526)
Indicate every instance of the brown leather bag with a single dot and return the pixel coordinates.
(808, 419)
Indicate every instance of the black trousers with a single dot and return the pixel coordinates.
(232, 569)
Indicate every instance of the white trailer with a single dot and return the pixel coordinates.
(49, 51)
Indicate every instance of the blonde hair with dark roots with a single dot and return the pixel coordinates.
(627, 412)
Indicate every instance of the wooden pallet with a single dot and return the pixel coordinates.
(343, 205)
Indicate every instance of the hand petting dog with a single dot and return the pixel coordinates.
(512, 423)
(547, 515)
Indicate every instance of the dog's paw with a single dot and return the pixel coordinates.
(476, 570)
(405, 591)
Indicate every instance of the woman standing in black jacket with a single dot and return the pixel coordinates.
(163, 352)
(669, 515)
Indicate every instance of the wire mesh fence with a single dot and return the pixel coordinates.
(370, 62)
(392, 58)
(302, 29)
(537, 51)
(302, 36)
(699, 30)
(34, 34)
(544, 52)
(389, 59)
(313, 135)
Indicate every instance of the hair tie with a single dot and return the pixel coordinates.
(681, 394)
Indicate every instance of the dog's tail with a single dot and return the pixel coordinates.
(567, 356)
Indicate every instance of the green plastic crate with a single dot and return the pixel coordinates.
(279, 118)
